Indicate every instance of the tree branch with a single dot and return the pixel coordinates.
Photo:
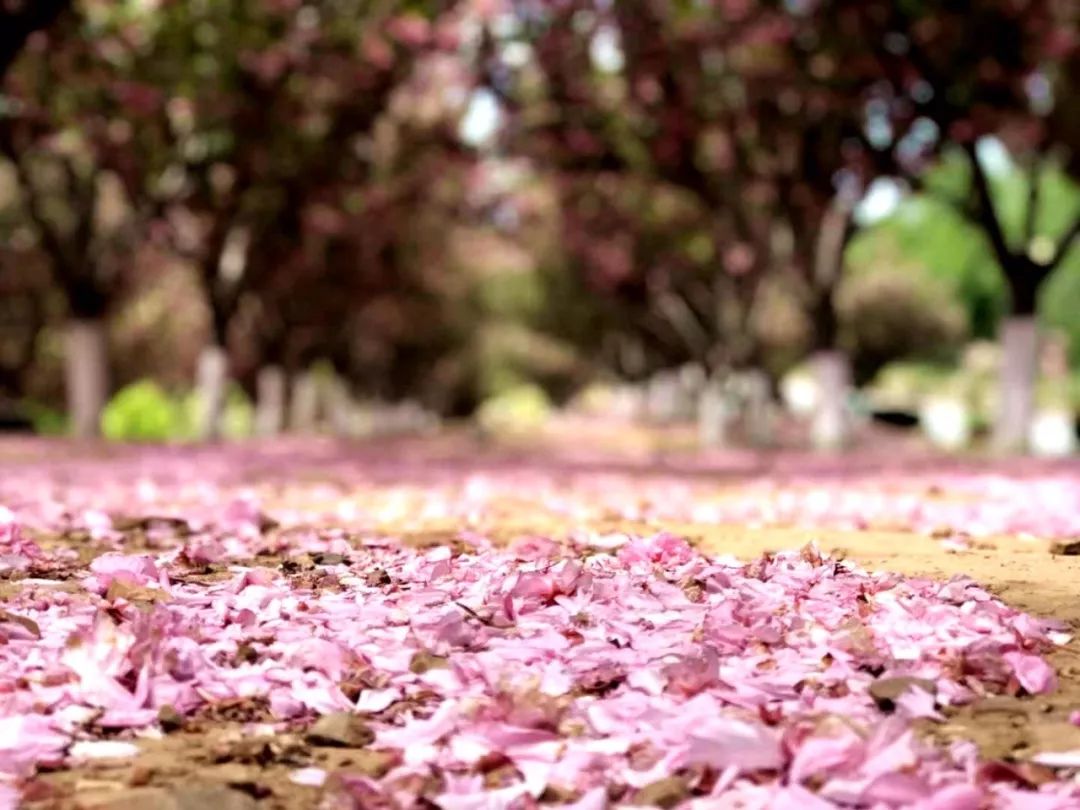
(1072, 235)
(833, 236)
(55, 246)
(684, 321)
(987, 214)
(1032, 210)
(83, 195)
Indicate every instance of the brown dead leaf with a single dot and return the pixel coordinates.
(23, 621)
(135, 593)
(424, 661)
(662, 793)
(1022, 774)
(885, 691)
(1065, 548)
(340, 730)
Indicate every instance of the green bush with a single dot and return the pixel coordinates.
(893, 314)
(47, 421)
(142, 412)
(524, 407)
(903, 385)
(239, 414)
(237, 422)
(145, 412)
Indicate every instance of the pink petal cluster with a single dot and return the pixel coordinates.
(17, 552)
(316, 483)
(592, 668)
(581, 670)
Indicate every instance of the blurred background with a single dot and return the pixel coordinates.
(764, 223)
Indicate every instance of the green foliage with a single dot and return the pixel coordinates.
(934, 240)
(239, 414)
(511, 294)
(524, 407)
(903, 383)
(146, 412)
(1059, 304)
(237, 421)
(47, 421)
(142, 412)
(511, 355)
(928, 233)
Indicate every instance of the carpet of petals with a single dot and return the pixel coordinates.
(587, 669)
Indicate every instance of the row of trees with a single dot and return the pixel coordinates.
(757, 127)
(283, 150)
(305, 159)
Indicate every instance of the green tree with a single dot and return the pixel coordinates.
(959, 74)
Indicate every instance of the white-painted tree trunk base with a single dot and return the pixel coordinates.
(1053, 433)
(831, 426)
(946, 422)
(270, 399)
(211, 380)
(757, 408)
(1019, 368)
(341, 408)
(86, 375)
(716, 412)
(628, 402)
(304, 407)
(663, 398)
(799, 391)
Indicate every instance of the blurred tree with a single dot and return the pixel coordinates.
(945, 244)
(753, 112)
(958, 74)
(23, 293)
(611, 102)
(1064, 120)
(261, 121)
(24, 311)
(75, 208)
(19, 20)
(365, 287)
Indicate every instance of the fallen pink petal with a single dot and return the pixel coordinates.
(568, 667)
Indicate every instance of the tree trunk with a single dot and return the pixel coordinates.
(716, 411)
(304, 407)
(831, 428)
(86, 372)
(1019, 362)
(270, 391)
(758, 408)
(662, 395)
(339, 406)
(212, 379)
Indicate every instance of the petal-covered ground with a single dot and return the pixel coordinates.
(417, 624)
